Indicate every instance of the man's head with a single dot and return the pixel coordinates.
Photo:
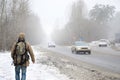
(21, 37)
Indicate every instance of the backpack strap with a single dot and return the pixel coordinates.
(14, 54)
(25, 51)
(25, 47)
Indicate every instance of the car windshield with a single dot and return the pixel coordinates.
(81, 44)
(103, 40)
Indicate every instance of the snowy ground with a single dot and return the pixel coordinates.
(54, 66)
(35, 71)
(116, 47)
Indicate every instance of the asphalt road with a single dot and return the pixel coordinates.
(104, 58)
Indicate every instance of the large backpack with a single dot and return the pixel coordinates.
(20, 55)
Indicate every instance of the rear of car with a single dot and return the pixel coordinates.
(103, 43)
(79, 47)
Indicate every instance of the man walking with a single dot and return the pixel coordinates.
(20, 56)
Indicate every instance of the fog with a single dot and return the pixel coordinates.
(62, 21)
(55, 14)
(52, 12)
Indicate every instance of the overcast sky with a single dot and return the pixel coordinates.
(52, 12)
(56, 12)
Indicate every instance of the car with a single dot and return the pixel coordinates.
(80, 46)
(103, 43)
(51, 44)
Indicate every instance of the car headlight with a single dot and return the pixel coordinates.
(89, 48)
(78, 48)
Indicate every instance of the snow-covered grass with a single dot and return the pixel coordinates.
(35, 71)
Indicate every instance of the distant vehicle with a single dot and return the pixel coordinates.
(103, 43)
(51, 44)
(80, 46)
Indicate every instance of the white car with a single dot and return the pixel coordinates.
(103, 43)
(80, 46)
(51, 44)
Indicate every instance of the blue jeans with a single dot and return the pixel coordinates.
(17, 72)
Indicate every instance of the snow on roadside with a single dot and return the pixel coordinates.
(6, 69)
(35, 71)
(39, 71)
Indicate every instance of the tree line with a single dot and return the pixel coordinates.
(16, 17)
(101, 22)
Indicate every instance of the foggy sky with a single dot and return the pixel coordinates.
(56, 12)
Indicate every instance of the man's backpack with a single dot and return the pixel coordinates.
(20, 55)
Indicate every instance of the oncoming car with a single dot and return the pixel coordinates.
(51, 44)
(80, 46)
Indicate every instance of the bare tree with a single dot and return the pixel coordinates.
(102, 13)
(3, 20)
(16, 17)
